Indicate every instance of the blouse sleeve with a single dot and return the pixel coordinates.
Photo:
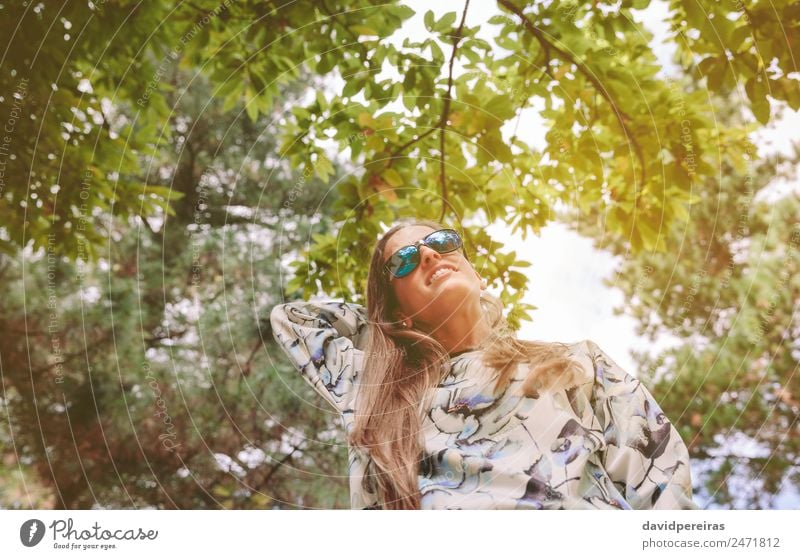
(645, 456)
(324, 341)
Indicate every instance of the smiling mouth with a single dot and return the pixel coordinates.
(444, 273)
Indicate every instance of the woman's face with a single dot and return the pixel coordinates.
(424, 301)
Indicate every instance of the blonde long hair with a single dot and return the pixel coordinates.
(402, 366)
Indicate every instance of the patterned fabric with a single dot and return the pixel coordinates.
(605, 444)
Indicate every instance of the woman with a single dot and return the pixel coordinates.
(445, 408)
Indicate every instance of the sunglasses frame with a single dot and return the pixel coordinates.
(416, 246)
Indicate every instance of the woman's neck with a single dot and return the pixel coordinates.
(461, 334)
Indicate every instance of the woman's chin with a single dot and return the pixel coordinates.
(451, 293)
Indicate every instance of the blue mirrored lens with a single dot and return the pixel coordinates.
(443, 241)
(405, 260)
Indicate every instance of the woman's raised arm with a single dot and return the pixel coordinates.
(324, 340)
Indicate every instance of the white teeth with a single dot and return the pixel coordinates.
(438, 273)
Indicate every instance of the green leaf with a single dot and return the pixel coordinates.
(741, 34)
(300, 112)
(392, 177)
(165, 192)
(323, 167)
(493, 144)
(787, 90)
(403, 12)
(365, 120)
(250, 104)
(436, 52)
(648, 234)
(756, 90)
(295, 284)
(429, 20)
(705, 66)
(321, 101)
(364, 30)
(325, 63)
(695, 14)
(716, 76)
(352, 87)
(252, 110)
(264, 101)
(517, 280)
(231, 100)
(500, 107)
(761, 110)
(498, 20)
(446, 23)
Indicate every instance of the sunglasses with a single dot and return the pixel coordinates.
(405, 260)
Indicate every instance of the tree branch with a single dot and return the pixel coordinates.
(280, 463)
(165, 336)
(248, 365)
(402, 148)
(446, 110)
(621, 115)
(67, 357)
(362, 49)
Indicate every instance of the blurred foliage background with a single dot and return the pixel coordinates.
(168, 173)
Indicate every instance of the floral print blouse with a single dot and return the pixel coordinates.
(605, 444)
